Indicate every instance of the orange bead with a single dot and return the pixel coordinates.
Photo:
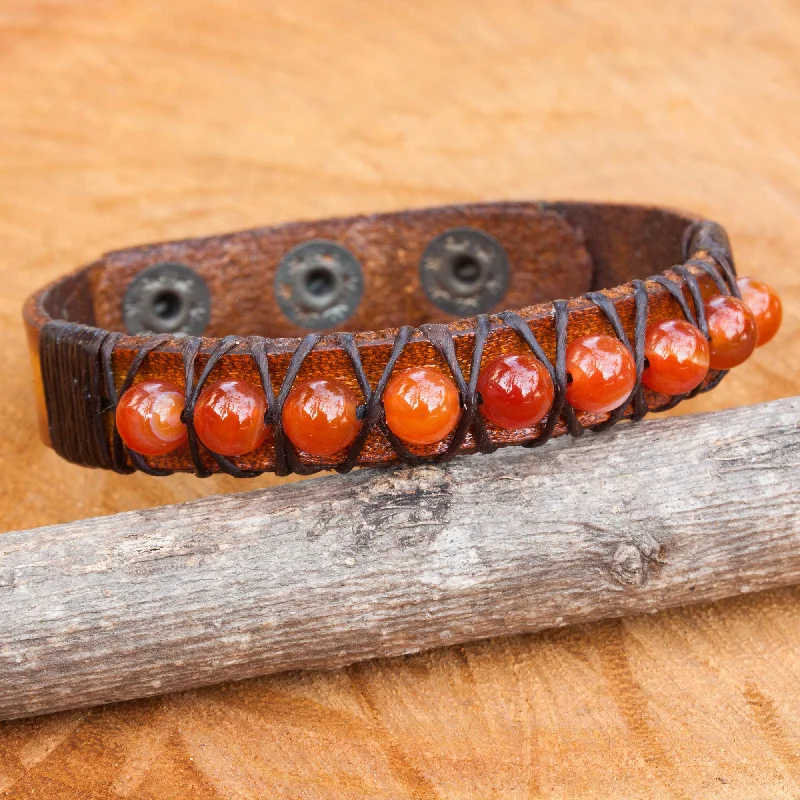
(766, 306)
(149, 418)
(733, 332)
(677, 356)
(603, 373)
(320, 417)
(229, 417)
(516, 390)
(422, 405)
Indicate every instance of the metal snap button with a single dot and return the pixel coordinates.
(167, 298)
(319, 284)
(464, 271)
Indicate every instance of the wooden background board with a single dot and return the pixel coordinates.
(122, 123)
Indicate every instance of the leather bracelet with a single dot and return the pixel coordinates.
(229, 363)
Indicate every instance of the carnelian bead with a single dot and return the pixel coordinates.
(766, 306)
(321, 417)
(517, 391)
(422, 405)
(732, 330)
(149, 418)
(677, 357)
(229, 417)
(603, 373)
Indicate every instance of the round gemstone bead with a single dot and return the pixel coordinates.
(516, 390)
(422, 405)
(149, 418)
(732, 330)
(677, 356)
(766, 306)
(229, 417)
(603, 373)
(320, 417)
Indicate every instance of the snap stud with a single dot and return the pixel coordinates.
(319, 284)
(167, 298)
(464, 271)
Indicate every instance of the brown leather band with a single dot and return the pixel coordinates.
(555, 250)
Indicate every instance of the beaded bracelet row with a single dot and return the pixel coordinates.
(422, 405)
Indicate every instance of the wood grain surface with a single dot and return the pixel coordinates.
(127, 122)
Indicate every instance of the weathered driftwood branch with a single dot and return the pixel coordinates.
(330, 571)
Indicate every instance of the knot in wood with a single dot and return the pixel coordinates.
(628, 566)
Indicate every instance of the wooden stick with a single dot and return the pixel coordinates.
(330, 571)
